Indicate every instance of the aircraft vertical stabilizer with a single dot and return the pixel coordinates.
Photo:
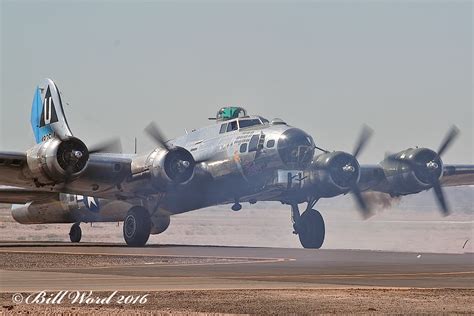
(47, 114)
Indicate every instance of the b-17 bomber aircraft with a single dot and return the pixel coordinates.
(238, 158)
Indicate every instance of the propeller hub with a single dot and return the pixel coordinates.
(77, 154)
(182, 165)
(432, 165)
(349, 168)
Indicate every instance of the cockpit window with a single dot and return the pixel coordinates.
(232, 126)
(249, 122)
(270, 143)
(223, 128)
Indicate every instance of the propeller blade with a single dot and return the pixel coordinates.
(365, 135)
(154, 132)
(450, 136)
(110, 146)
(441, 198)
(67, 177)
(362, 204)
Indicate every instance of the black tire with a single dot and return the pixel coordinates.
(311, 229)
(75, 234)
(136, 227)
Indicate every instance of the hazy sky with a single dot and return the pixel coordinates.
(405, 68)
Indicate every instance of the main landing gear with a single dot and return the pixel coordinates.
(309, 226)
(137, 227)
(75, 233)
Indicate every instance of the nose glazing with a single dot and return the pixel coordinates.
(296, 148)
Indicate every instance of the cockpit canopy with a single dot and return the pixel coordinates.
(230, 112)
(233, 125)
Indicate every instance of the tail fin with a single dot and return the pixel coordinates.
(47, 114)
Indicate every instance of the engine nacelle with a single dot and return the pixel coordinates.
(168, 167)
(159, 224)
(412, 170)
(54, 160)
(334, 173)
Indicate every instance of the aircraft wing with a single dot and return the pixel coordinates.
(12, 195)
(100, 178)
(12, 166)
(456, 175)
(373, 177)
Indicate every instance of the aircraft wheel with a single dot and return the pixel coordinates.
(75, 233)
(136, 227)
(311, 229)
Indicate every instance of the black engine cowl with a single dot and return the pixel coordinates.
(174, 166)
(335, 173)
(412, 170)
(55, 160)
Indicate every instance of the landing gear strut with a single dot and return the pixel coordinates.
(75, 233)
(137, 227)
(309, 226)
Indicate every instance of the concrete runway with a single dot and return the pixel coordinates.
(173, 267)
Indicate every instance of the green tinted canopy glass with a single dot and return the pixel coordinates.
(230, 112)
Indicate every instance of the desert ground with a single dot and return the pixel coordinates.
(282, 302)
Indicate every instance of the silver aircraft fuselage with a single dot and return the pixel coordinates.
(244, 162)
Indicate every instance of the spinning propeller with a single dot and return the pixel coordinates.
(76, 156)
(344, 169)
(364, 137)
(179, 163)
(427, 166)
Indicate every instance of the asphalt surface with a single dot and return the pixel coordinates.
(105, 267)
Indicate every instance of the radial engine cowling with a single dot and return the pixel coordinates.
(335, 173)
(412, 170)
(55, 160)
(168, 167)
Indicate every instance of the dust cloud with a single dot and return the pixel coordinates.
(381, 200)
(411, 224)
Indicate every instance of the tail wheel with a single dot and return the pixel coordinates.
(136, 227)
(75, 233)
(311, 229)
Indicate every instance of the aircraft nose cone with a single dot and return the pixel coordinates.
(296, 148)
